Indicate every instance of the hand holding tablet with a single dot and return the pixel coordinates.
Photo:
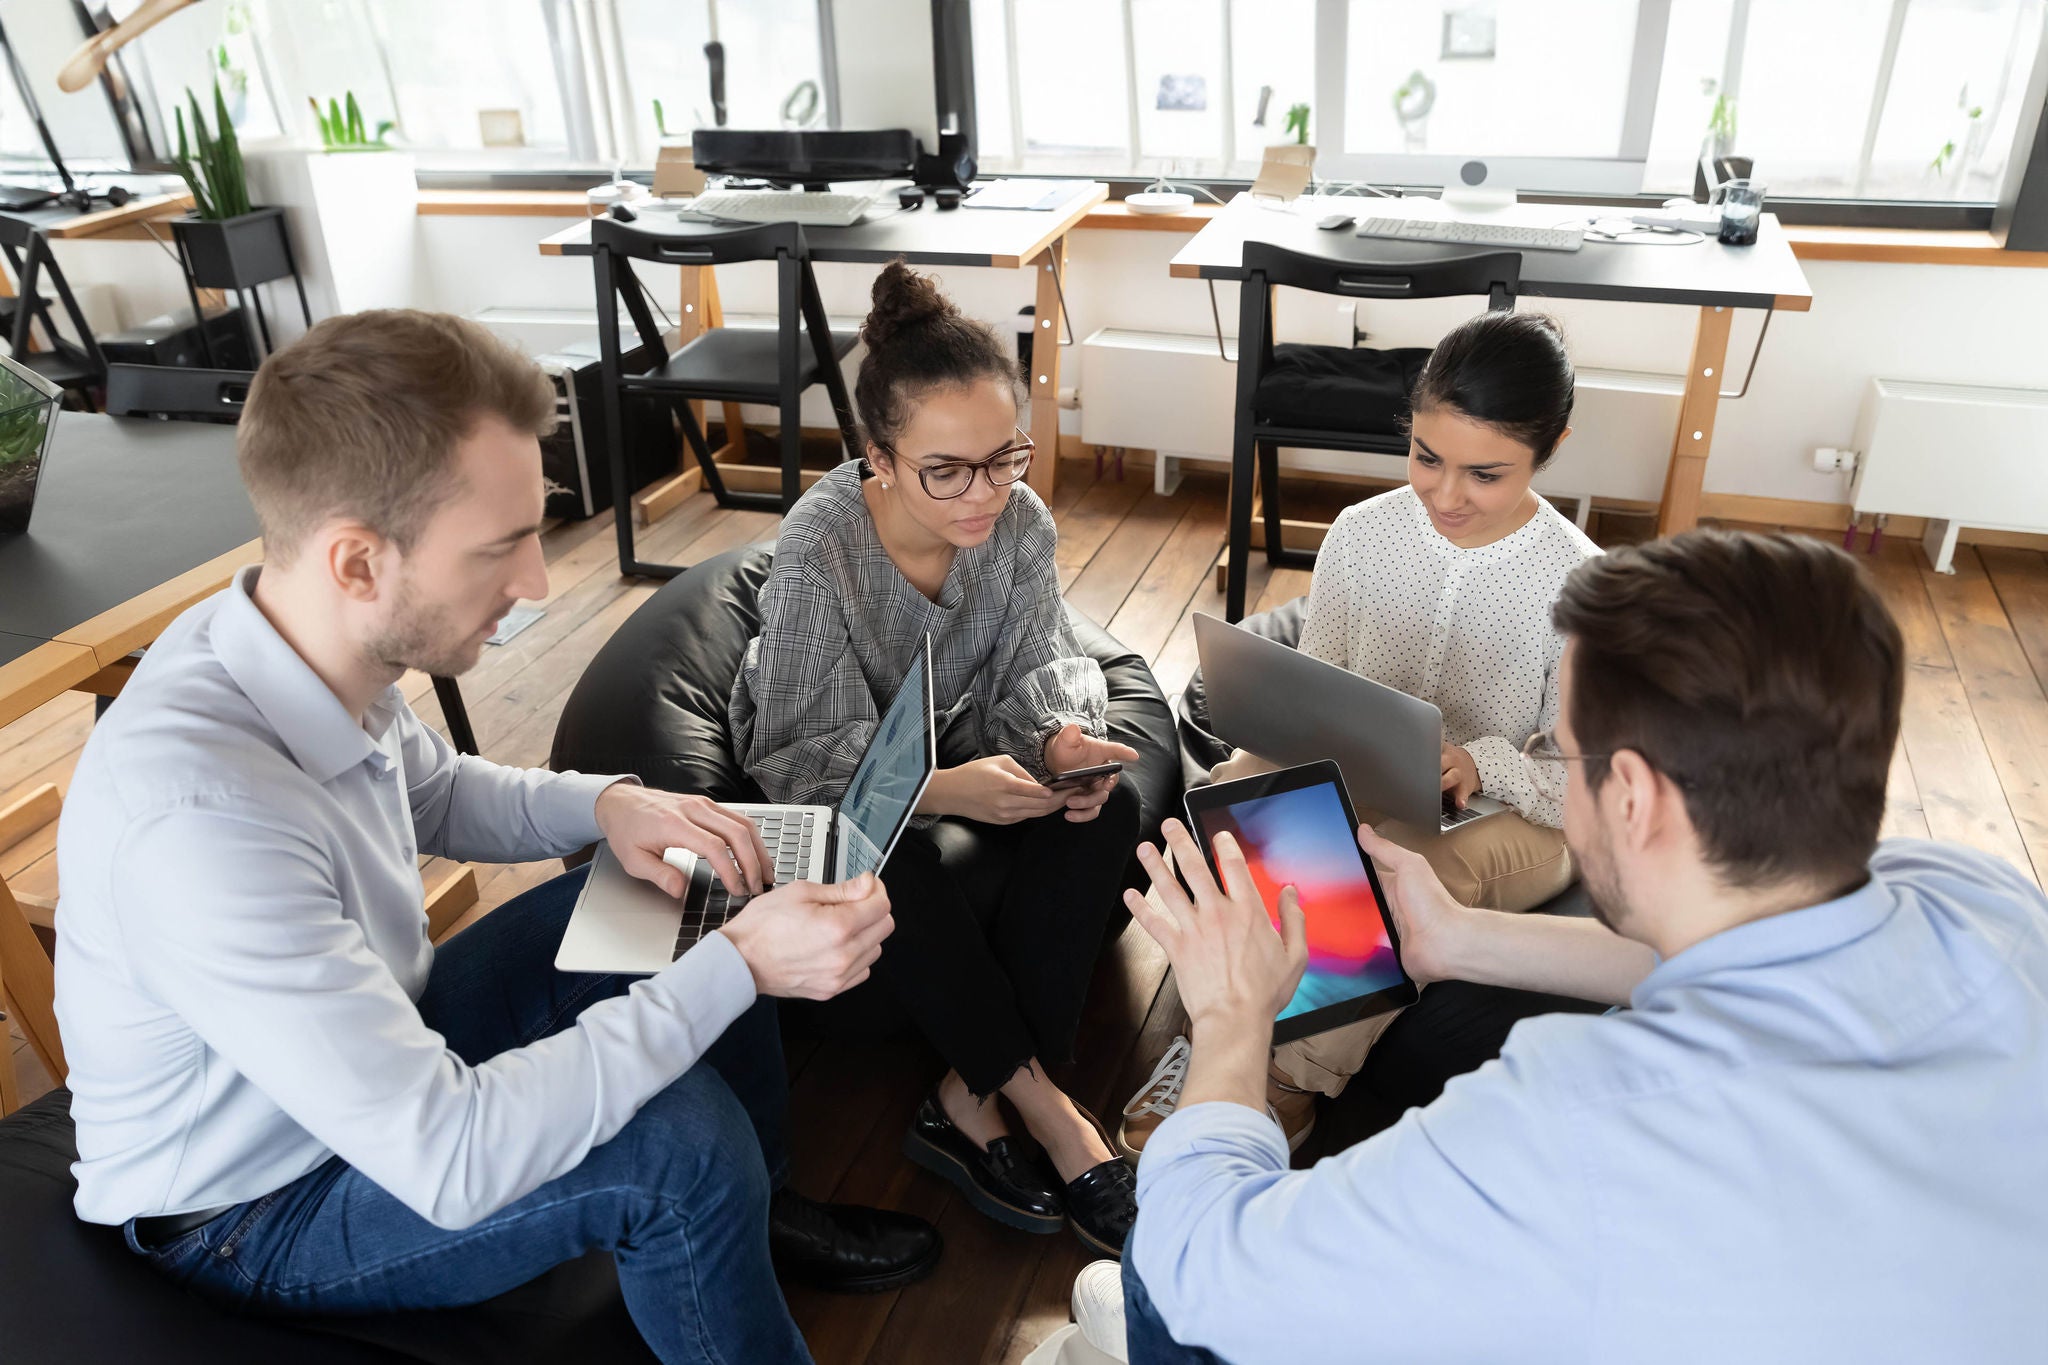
(1295, 827)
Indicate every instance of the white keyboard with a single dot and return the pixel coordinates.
(811, 208)
(1459, 233)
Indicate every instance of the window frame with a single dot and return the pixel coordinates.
(587, 41)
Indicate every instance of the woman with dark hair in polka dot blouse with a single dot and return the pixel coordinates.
(1443, 590)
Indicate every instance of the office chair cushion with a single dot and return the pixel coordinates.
(737, 360)
(1355, 390)
(72, 1291)
(653, 700)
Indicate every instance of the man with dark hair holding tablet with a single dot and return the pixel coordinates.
(1815, 1135)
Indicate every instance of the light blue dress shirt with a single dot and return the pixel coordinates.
(1817, 1137)
(241, 940)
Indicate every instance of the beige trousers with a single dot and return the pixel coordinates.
(1500, 863)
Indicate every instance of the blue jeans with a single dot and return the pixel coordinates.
(679, 1196)
(1146, 1340)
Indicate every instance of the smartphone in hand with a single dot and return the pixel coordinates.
(1081, 776)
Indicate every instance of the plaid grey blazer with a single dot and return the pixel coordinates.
(840, 625)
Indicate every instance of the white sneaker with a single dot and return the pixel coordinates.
(1099, 1307)
(1156, 1099)
(1159, 1096)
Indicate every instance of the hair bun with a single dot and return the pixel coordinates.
(903, 299)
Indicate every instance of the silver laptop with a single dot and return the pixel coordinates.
(1288, 708)
(624, 924)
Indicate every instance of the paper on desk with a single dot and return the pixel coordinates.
(1020, 194)
(516, 620)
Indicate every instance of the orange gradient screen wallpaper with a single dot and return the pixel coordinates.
(1302, 838)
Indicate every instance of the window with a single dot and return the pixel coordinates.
(493, 84)
(501, 92)
(1834, 99)
(774, 68)
(1183, 87)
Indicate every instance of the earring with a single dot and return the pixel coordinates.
(885, 485)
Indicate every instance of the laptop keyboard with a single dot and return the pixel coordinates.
(1453, 817)
(708, 905)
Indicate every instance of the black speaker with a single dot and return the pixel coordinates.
(173, 339)
(573, 458)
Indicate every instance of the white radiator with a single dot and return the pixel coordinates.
(1174, 394)
(1957, 454)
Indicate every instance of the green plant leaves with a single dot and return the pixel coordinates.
(211, 166)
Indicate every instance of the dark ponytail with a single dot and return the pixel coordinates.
(1508, 371)
(918, 340)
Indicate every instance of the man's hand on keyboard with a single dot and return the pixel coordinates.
(642, 824)
(810, 942)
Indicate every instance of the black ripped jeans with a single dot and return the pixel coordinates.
(997, 932)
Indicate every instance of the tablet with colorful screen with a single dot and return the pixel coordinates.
(1296, 827)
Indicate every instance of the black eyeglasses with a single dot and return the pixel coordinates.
(952, 478)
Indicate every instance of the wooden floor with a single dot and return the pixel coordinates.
(1970, 768)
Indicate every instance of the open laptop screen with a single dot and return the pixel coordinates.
(885, 788)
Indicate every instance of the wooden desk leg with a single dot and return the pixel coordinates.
(24, 817)
(700, 313)
(1045, 369)
(1687, 474)
(31, 985)
(735, 447)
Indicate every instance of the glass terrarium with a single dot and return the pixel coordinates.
(28, 416)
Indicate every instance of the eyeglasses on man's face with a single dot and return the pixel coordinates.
(946, 478)
(1546, 763)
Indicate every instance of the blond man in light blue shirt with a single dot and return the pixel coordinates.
(285, 1094)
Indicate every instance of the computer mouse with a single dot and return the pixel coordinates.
(910, 198)
(947, 198)
(1331, 222)
(623, 213)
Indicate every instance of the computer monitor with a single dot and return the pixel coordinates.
(885, 76)
(1415, 95)
(814, 158)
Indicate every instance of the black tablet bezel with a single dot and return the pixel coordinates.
(1223, 794)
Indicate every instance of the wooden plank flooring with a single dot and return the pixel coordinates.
(1968, 767)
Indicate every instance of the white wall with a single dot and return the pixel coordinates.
(1979, 325)
(1969, 324)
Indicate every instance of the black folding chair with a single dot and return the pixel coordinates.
(180, 394)
(177, 393)
(1328, 397)
(724, 364)
(72, 362)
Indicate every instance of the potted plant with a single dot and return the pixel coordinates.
(352, 189)
(226, 242)
(342, 127)
(28, 415)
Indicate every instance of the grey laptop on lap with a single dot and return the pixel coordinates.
(1292, 708)
(624, 924)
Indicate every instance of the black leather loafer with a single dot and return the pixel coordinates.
(1004, 1181)
(1102, 1201)
(848, 1249)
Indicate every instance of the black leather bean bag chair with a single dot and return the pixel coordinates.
(653, 700)
(72, 1291)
